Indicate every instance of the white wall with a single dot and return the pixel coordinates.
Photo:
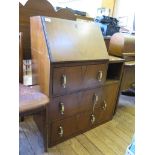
(89, 6)
(23, 1)
(126, 9)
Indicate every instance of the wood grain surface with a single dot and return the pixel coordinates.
(74, 41)
(36, 8)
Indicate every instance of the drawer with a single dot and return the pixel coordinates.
(63, 129)
(64, 106)
(91, 99)
(101, 115)
(68, 105)
(84, 121)
(105, 110)
(70, 79)
(107, 106)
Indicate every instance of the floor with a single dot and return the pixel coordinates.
(111, 138)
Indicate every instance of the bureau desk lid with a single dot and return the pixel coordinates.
(122, 44)
(73, 40)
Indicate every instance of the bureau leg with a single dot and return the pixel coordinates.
(41, 121)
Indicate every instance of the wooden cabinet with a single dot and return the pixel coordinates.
(75, 61)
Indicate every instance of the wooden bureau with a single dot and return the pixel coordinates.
(73, 68)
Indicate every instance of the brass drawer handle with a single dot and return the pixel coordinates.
(62, 108)
(61, 132)
(64, 81)
(100, 75)
(92, 119)
(95, 98)
(105, 105)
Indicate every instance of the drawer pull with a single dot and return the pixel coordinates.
(105, 105)
(100, 75)
(62, 108)
(64, 81)
(95, 98)
(61, 132)
(92, 119)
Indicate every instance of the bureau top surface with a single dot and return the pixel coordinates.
(73, 40)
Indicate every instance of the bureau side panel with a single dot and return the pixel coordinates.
(128, 77)
(40, 57)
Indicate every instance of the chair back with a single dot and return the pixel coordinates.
(20, 57)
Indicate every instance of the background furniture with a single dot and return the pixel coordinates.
(20, 57)
(123, 45)
(75, 71)
(35, 8)
(31, 100)
(107, 41)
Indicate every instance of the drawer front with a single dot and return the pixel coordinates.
(88, 119)
(64, 106)
(66, 79)
(103, 111)
(63, 129)
(66, 128)
(91, 99)
(95, 75)
(101, 115)
(110, 95)
(70, 79)
(107, 106)
(68, 105)
(84, 121)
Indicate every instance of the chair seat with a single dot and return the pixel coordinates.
(30, 99)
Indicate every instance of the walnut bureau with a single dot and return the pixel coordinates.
(72, 67)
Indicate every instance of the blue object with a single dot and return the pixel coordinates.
(132, 146)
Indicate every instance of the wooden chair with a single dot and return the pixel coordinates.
(31, 100)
